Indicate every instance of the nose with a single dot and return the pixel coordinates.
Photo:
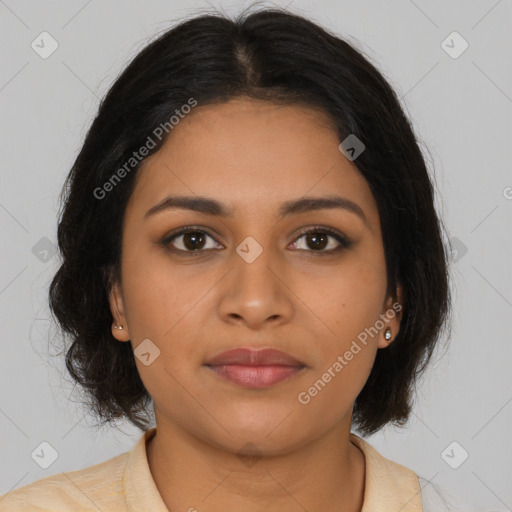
(257, 293)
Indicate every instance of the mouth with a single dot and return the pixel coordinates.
(255, 369)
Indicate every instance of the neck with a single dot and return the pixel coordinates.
(326, 474)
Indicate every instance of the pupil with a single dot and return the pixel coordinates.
(318, 240)
(194, 237)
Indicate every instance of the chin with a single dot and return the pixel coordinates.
(269, 438)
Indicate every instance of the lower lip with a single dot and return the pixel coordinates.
(255, 377)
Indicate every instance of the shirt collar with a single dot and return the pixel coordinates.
(388, 485)
(140, 489)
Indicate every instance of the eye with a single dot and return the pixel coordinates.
(189, 239)
(317, 239)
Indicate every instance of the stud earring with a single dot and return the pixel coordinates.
(118, 326)
(387, 334)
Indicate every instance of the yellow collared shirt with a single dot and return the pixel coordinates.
(125, 484)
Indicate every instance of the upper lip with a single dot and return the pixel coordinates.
(254, 357)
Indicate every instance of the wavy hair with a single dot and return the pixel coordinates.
(283, 58)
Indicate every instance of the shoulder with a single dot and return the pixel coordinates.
(436, 499)
(388, 485)
(92, 488)
(392, 484)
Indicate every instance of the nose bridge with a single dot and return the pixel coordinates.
(256, 291)
(253, 269)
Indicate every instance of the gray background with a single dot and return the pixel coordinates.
(461, 109)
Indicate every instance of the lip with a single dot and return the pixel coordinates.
(255, 369)
(254, 357)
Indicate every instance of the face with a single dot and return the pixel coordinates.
(307, 282)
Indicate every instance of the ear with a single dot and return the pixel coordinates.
(391, 315)
(116, 302)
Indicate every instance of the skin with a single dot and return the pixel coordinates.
(252, 156)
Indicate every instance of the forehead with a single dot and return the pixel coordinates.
(254, 155)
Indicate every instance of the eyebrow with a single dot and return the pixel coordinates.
(208, 206)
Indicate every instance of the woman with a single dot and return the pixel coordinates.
(251, 253)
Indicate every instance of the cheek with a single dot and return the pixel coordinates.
(159, 296)
(347, 301)
(331, 392)
(166, 304)
(349, 304)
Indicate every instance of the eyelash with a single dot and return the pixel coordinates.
(344, 242)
